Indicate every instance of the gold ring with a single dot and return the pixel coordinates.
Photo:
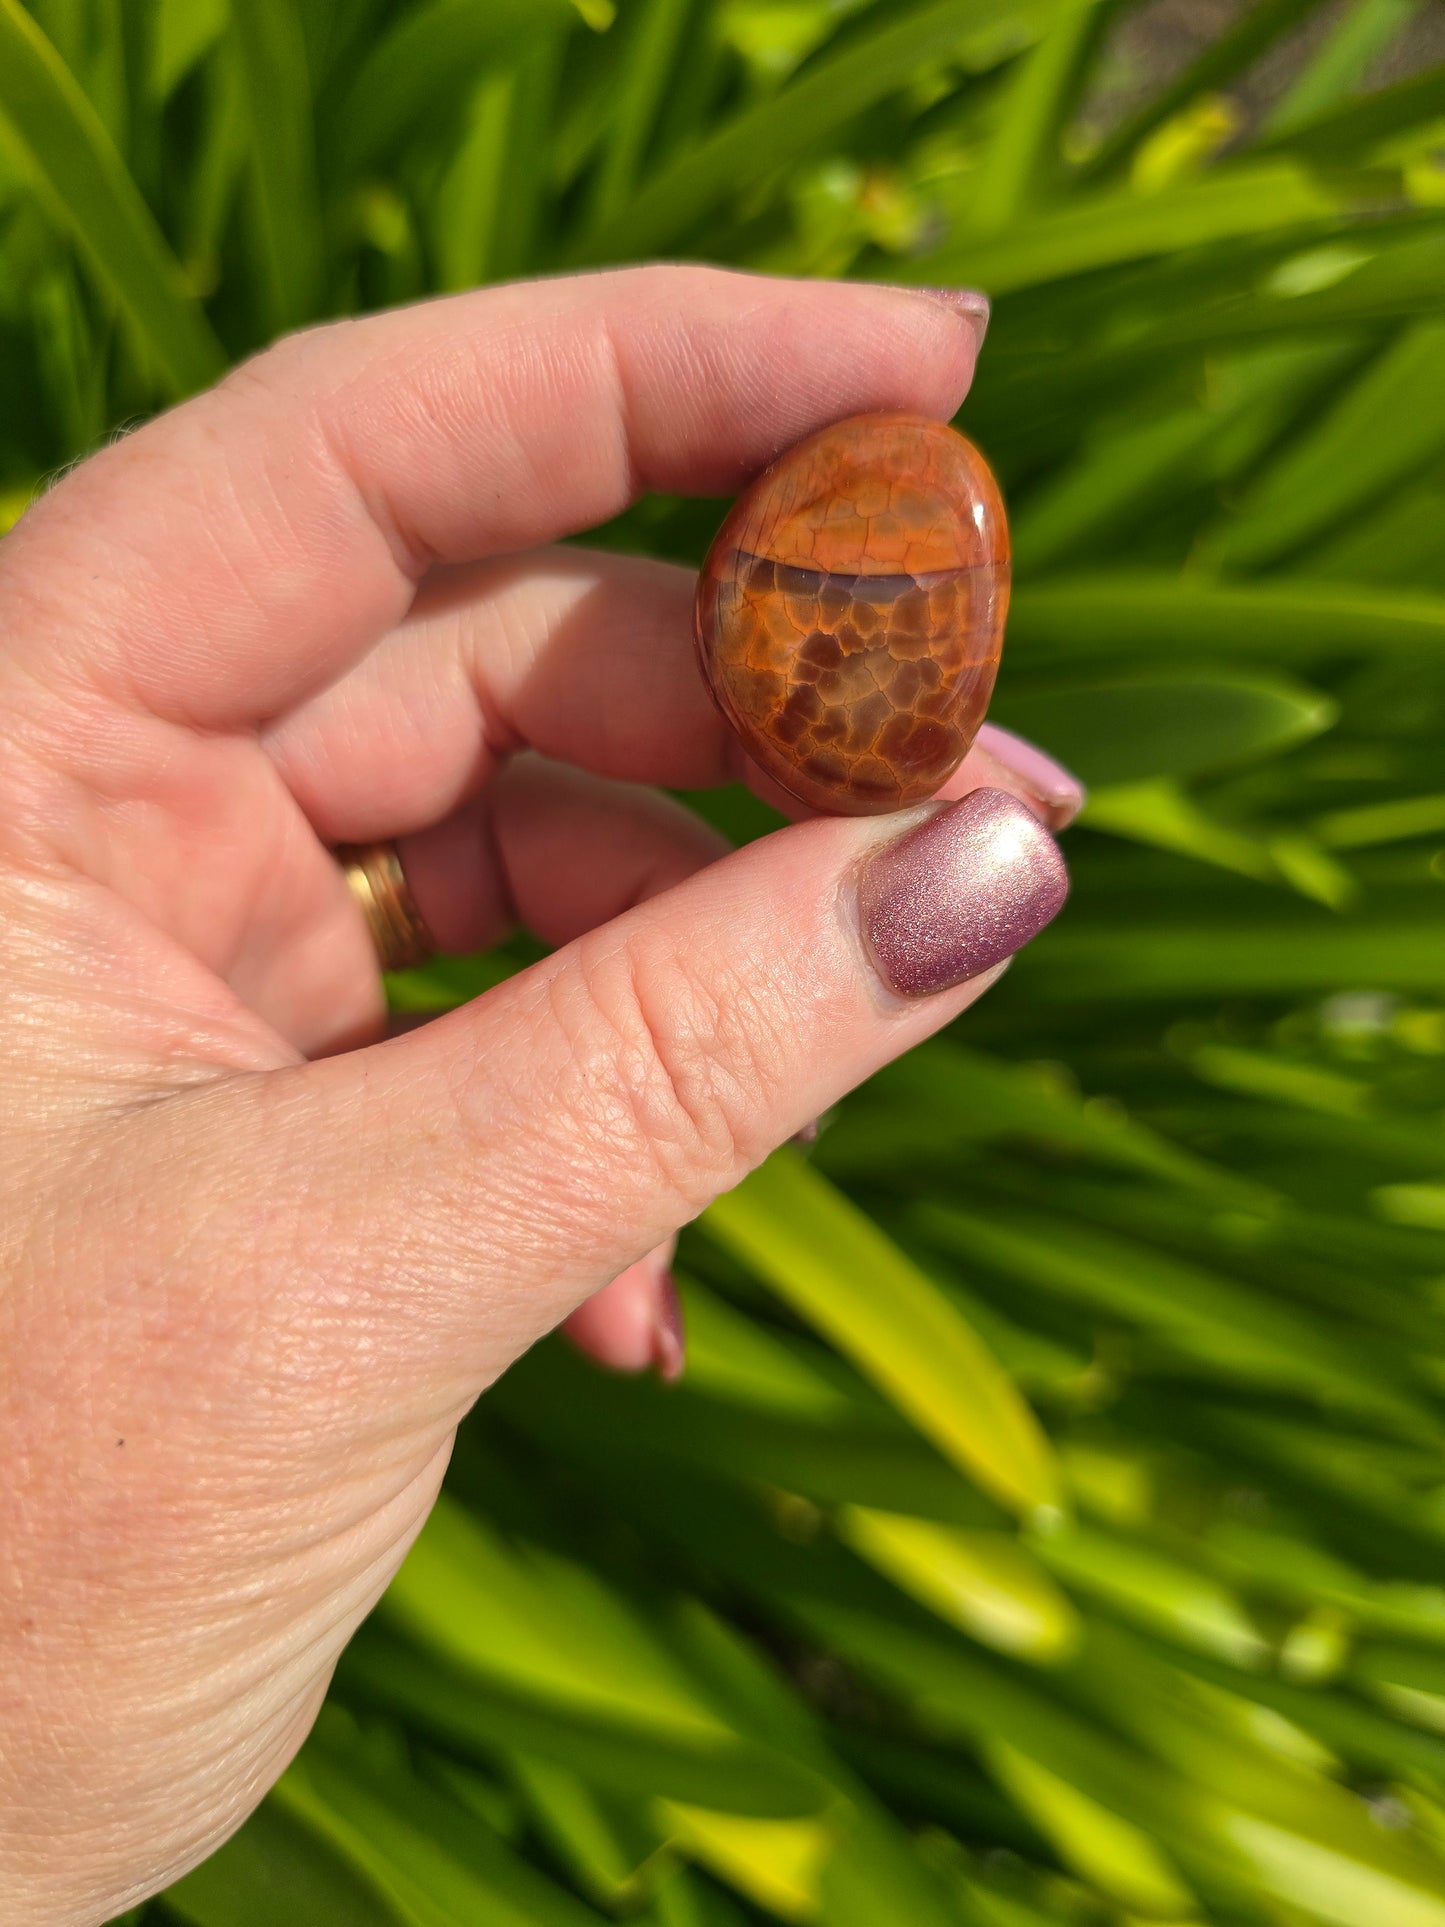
(374, 876)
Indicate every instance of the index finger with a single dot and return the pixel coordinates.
(239, 553)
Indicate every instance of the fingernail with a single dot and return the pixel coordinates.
(968, 302)
(1059, 792)
(669, 1338)
(958, 893)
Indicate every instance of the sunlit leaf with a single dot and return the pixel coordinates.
(822, 98)
(985, 1582)
(86, 184)
(1107, 1850)
(1108, 229)
(1387, 425)
(1163, 722)
(838, 1270)
(1287, 621)
(433, 54)
(277, 91)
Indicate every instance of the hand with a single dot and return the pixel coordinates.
(257, 1262)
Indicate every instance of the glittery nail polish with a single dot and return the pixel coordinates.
(958, 893)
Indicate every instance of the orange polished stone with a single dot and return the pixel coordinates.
(850, 611)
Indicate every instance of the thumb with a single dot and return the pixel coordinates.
(467, 1185)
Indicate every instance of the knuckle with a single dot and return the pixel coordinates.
(693, 1061)
(282, 366)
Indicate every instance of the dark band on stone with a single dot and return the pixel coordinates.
(761, 575)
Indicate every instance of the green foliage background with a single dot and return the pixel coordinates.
(1050, 1526)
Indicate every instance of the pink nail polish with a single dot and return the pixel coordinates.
(968, 302)
(669, 1337)
(958, 893)
(1059, 792)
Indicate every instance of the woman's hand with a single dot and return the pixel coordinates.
(257, 1263)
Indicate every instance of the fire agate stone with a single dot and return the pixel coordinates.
(850, 612)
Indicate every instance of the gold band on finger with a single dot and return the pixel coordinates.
(374, 876)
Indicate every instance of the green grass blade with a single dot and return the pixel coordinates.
(425, 63)
(943, 1100)
(1348, 133)
(986, 1583)
(436, 1862)
(1240, 952)
(491, 201)
(1133, 470)
(1162, 815)
(500, 1613)
(1385, 427)
(850, 1454)
(1124, 728)
(575, 1823)
(839, 1271)
(1118, 226)
(1363, 33)
(85, 182)
(1024, 156)
(467, 208)
(1085, 501)
(1156, 1591)
(184, 30)
(280, 1870)
(272, 60)
(1118, 1858)
(654, 30)
(464, 1713)
(1292, 620)
(1214, 1319)
(525, 213)
(1375, 823)
(1225, 55)
(827, 94)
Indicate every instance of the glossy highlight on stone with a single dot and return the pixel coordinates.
(850, 612)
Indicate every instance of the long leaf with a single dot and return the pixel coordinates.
(1355, 129)
(653, 30)
(1237, 954)
(1358, 38)
(277, 91)
(436, 1863)
(1209, 1317)
(824, 97)
(1295, 620)
(1385, 427)
(1117, 226)
(86, 184)
(1122, 729)
(429, 59)
(1223, 56)
(1024, 154)
(280, 1870)
(841, 1273)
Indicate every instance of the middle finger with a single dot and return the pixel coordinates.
(584, 656)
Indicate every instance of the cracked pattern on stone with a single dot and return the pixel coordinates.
(850, 612)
